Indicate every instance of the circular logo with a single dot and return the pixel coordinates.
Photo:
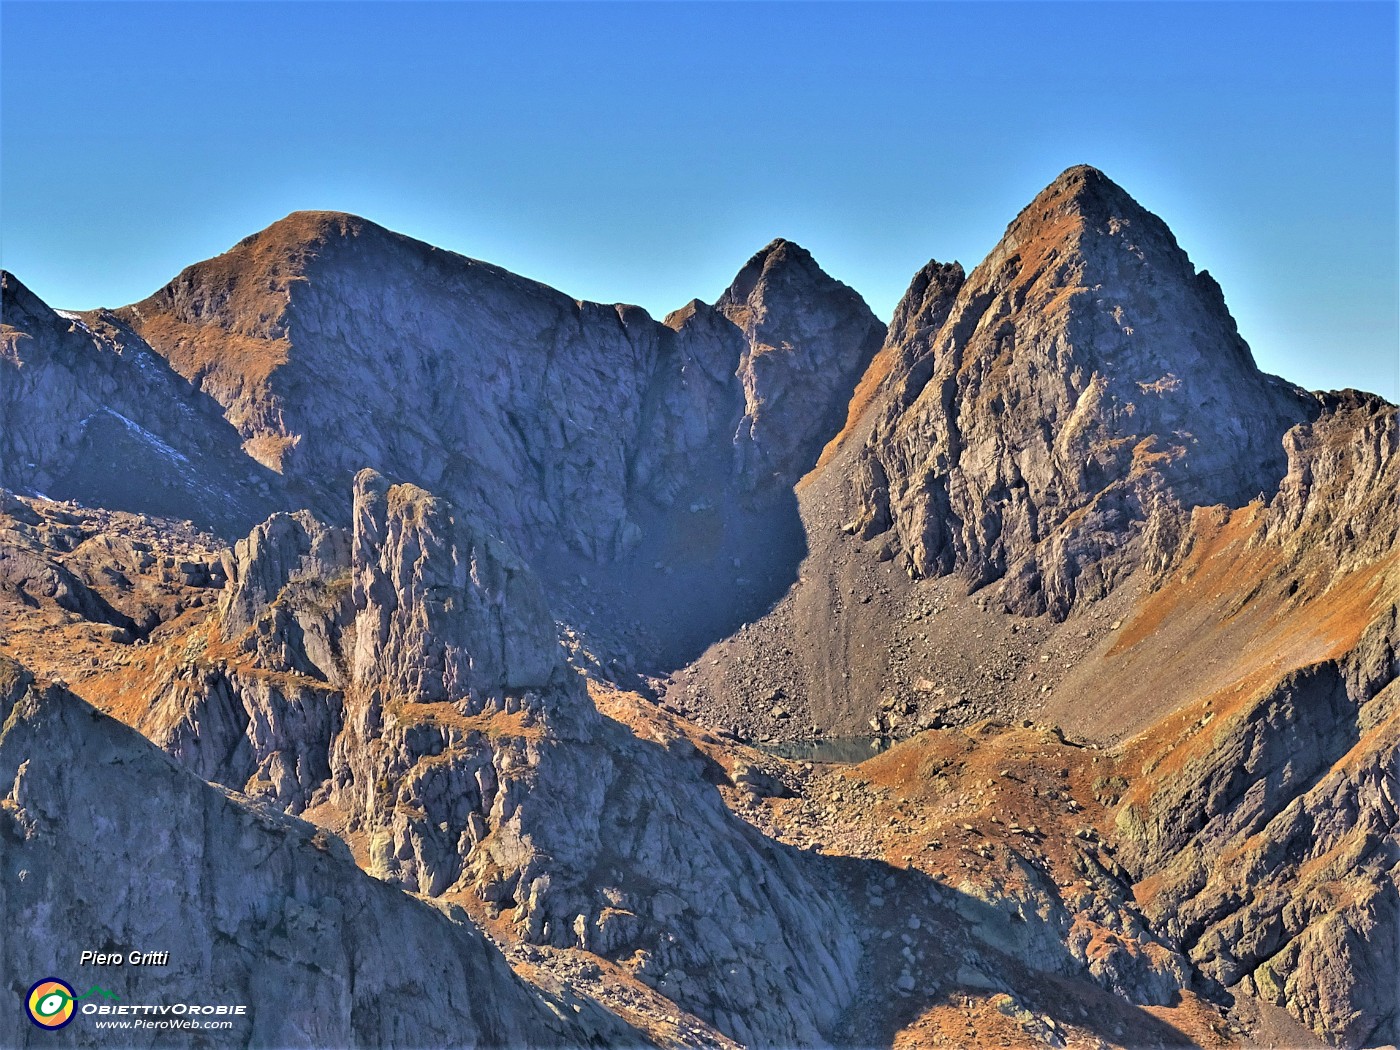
(50, 1003)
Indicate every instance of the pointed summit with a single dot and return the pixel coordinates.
(779, 264)
(16, 293)
(1083, 227)
(926, 302)
(809, 339)
(1085, 376)
(1084, 195)
(1087, 186)
(20, 312)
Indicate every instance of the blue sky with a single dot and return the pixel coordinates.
(642, 152)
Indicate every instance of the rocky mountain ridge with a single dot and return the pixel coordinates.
(333, 344)
(429, 716)
(1131, 601)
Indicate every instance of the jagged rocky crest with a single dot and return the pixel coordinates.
(86, 796)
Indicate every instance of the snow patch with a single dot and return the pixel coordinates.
(150, 439)
(67, 316)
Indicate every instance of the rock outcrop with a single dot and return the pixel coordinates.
(444, 610)
(1083, 375)
(288, 596)
(429, 714)
(474, 759)
(1292, 774)
(254, 908)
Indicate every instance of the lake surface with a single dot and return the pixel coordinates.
(843, 750)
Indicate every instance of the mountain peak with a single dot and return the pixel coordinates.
(1081, 178)
(303, 226)
(1085, 188)
(23, 311)
(780, 262)
(1129, 383)
(780, 249)
(1084, 212)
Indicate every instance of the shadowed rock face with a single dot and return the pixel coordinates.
(90, 412)
(808, 337)
(1084, 374)
(646, 457)
(333, 344)
(253, 907)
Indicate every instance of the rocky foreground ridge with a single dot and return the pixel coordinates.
(374, 692)
(1128, 603)
(252, 905)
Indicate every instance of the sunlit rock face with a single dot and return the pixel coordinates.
(1083, 378)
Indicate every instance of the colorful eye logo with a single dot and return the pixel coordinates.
(50, 1003)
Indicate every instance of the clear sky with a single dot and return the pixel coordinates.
(642, 152)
